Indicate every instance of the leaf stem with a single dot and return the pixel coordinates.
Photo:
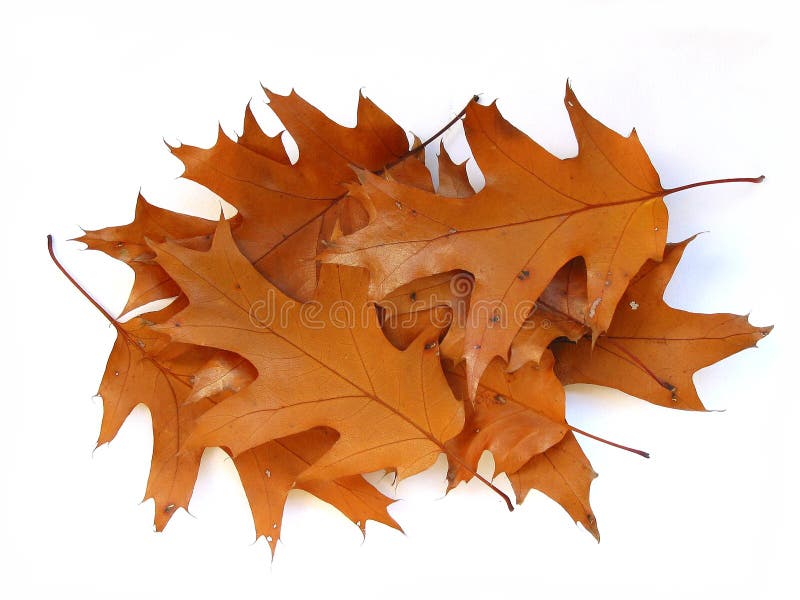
(71, 279)
(605, 441)
(758, 179)
(482, 479)
(424, 144)
(496, 490)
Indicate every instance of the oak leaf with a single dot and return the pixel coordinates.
(269, 472)
(288, 210)
(535, 213)
(515, 416)
(127, 243)
(146, 368)
(652, 350)
(344, 375)
(563, 473)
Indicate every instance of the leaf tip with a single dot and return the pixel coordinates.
(591, 526)
(570, 99)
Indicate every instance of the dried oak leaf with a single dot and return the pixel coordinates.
(515, 416)
(268, 472)
(127, 243)
(652, 350)
(563, 473)
(535, 213)
(146, 368)
(288, 210)
(392, 409)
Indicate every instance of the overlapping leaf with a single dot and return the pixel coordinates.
(128, 244)
(289, 210)
(535, 213)
(316, 367)
(269, 472)
(652, 350)
(145, 368)
(564, 474)
(515, 416)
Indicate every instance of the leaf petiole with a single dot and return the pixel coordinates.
(689, 186)
(610, 443)
(424, 144)
(71, 279)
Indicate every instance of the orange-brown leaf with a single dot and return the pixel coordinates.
(269, 472)
(652, 350)
(535, 213)
(564, 474)
(145, 368)
(128, 243)
(316, 366)
(515, 416)
(289, 210)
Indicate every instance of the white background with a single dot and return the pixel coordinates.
(90, 90)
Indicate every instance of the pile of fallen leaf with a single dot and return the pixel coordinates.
(352, 317)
